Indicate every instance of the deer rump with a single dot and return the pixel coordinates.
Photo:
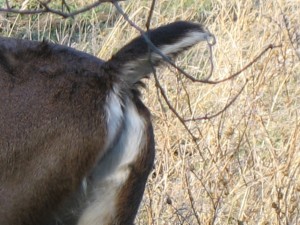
(76, 142)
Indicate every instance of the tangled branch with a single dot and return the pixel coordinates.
(207, 80)
(46, 8)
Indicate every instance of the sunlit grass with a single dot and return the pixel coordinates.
(246, 168)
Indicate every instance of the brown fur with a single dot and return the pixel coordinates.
(53, 127)
(133, 189)
(52, 123)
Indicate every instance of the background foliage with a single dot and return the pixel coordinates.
(245, 168)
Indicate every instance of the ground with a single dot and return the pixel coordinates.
(242, 167)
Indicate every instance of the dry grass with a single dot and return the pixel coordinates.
(245, 169)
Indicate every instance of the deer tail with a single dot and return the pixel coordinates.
(136, 59)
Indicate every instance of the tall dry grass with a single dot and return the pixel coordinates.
(245, 169)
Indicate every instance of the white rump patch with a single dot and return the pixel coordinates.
(113, 170)
(114, 114)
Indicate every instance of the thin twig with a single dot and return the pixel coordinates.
(205, 188)
(210, 45)
(47, 9)
(64, 3)
(192, 200)
(162, 92)
(152, 46)
(207, 117)
(154, 49)
(288, 30)
(168, 60)
(150, 15)
(269, 47)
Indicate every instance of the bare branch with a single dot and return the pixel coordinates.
(152, 48)
(168, 60)
(150, 15)
(210, 45)
(47, 9)
(162, 91)
(269, 47)
(207, 117)
(192, 200)
(63, 3)
(288, 30)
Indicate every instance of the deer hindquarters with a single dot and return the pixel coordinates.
(118, 181)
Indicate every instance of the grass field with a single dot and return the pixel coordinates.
(244, 166)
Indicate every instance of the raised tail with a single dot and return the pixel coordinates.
(135, 60)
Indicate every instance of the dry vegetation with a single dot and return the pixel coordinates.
(245, 166)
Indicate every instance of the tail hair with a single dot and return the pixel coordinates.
(135, 60)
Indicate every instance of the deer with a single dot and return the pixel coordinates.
(76, 141)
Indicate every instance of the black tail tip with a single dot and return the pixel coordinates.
(135, 60)
(177, 36)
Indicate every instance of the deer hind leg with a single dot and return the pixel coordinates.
(116, 185)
